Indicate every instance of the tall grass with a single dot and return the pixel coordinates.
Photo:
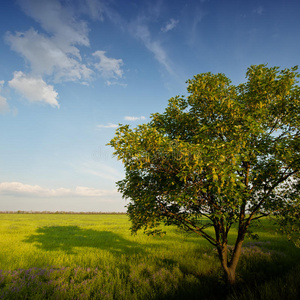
(63, 256)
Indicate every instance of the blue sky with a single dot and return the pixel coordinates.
(70, 71)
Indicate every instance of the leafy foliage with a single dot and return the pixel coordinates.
(288, 215)
(223, 153)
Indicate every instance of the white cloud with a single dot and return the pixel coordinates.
(34, 89)
(128, 118)
(170, 25)
(3, 105)
(109, 125)
(47, 56)
(109, 67)
(21, 189)
(3, 101)
(55, 52)
(91, 192)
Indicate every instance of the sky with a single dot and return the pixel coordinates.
(72, 70)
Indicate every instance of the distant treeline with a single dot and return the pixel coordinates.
(62, 212)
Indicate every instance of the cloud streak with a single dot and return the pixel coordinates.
(129, 118)
(259, 10)
(27, 190)
(101, 168)
(141, 31)
(109, 125)
(170, 25)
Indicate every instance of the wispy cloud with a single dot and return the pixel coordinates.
(112, 82)
(27, 190)
(129, 118)
(195, 20)
(99, 168)
(61, 21)
(259, 10)
(34, 89)
(170, 25)
(140, 30)
(109, 125)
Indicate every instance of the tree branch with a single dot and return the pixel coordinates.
(188, 224)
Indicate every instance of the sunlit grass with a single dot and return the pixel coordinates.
(95, 257)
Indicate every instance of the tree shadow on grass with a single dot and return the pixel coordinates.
(67, 238)
(256, 267)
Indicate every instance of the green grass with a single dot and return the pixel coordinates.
(66, 256)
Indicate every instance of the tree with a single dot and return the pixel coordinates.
(217, 158)
(289, 222)
(288, 214)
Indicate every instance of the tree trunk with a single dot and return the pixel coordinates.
(229, 267)
(230, 276)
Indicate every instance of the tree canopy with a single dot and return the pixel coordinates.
(223, 155)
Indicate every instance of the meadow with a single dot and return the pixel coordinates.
(86, 256)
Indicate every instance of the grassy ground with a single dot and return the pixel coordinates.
(63, 256)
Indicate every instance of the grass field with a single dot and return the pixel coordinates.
(69, 256)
